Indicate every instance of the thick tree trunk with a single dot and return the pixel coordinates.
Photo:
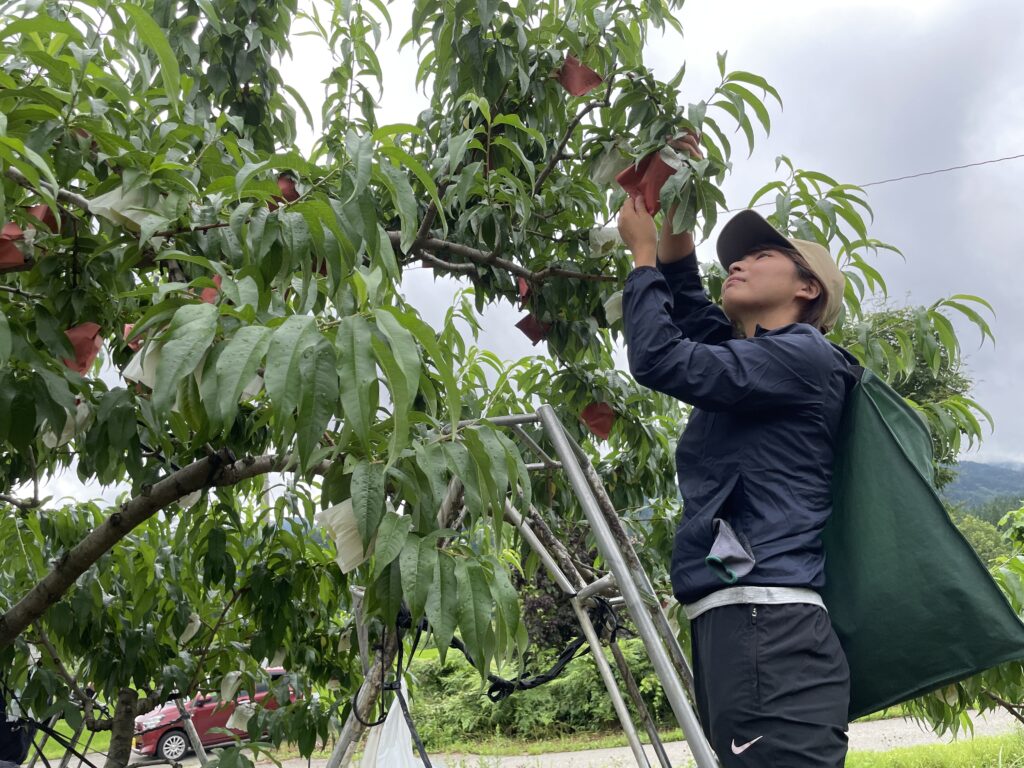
(122, 729)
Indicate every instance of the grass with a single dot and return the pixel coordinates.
(503, 746)
(55, 751)
(983, 752)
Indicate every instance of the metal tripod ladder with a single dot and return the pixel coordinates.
(626, 583)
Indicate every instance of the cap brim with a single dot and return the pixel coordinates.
(743, 233)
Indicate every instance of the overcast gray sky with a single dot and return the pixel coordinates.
(873, 89)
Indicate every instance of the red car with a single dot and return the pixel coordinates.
(161, 732)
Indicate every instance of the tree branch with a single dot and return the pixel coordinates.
(1015, 711)
(559, 153)
(211, 471)
(446, 265)
(83, 697)
(19, 292)
(213, 635)
(61, 194)
(24, 506)
(44, 640)
(490, 259)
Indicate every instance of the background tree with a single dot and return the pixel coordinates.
(193, 309)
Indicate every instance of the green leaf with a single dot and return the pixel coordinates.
(442, 604)
(360, 151)
(5, 339)
(517, 122)
(475, 606)
(405, 203)
(282, 375)
(391, 536)
(459, 464)
(400, 401)
(457, 148)
(246, 172)
(430, 458)
(403, 344)
(318, 375)
(401, 157)
(506, 598)
(237, 366)
(298, 100)
(426, 336)
(368, 498)
(154, 37)
(186, 341)
(357, 370)
(418, 561)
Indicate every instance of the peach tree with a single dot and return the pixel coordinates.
(214, 324)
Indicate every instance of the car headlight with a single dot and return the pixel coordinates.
(150, 722)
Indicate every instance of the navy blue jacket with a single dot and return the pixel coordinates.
(756, 456)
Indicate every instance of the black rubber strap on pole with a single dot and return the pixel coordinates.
(603, 614)
(412, 728)
(396, 686)
(355, 698)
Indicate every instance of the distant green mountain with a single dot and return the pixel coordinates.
(979, 485)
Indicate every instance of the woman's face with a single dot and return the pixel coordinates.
(763, 281)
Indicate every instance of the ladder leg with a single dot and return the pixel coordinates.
(643, 580)
(635, 601)
(611, 684)
(66, 759)
(639, 703)
(42, 741)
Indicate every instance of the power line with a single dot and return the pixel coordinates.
(942, 170)
(915, 175)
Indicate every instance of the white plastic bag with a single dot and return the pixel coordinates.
(390, 745)
(340, 522)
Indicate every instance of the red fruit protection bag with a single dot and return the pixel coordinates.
(646, 178)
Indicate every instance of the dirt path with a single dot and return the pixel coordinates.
(877, 736)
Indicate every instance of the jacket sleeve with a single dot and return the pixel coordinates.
(692, 312)
(770, 371)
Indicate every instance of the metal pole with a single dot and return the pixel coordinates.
(42, 742)
(663, 665)
(532, 444)
(609, 682)
(68, 754)
(640, 704)
(626, 546)
(501, 421)
(191, 732)
(85, 750)
(603, 584)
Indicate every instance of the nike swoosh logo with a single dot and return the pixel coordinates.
(744, 747)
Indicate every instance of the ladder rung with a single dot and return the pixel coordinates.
(603, 584)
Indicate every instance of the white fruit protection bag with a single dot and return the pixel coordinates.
(390, 745)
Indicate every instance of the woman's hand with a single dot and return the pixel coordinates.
(636, 226)
(689, 143)
(676, 246)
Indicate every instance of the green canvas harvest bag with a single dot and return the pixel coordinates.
(914, 607)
